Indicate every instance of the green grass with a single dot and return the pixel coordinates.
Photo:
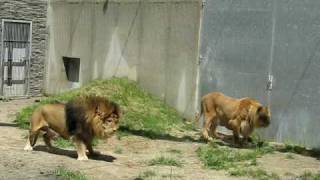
(218, 157)
(142, 111)
(257, 174)
(309, 176)
(164, 161)
(65, 174)
(62, 143)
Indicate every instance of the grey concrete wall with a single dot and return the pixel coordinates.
(35, 11)
(152, 42)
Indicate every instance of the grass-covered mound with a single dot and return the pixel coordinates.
(142, 111)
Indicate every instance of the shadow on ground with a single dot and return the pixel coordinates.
(8, 124)
(72, 153)
(161, 136)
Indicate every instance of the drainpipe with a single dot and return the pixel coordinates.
(199, 61)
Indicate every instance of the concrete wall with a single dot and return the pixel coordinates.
(153, 42)
(35, 11)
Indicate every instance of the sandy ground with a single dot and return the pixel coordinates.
(15, 163)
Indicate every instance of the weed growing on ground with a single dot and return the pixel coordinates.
(62, 143)
(165, 161)
(65, 174)
(146, 175)
(257, 174)
(309, 176)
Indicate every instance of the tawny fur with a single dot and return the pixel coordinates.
(92, 117)
(239, 115)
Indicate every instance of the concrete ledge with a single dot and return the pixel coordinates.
(124, 1)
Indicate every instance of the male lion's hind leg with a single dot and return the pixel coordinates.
(32, 139)
(81, 150)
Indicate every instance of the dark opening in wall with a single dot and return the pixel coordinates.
(72, 67)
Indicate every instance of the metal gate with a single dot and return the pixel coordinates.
(15, 57)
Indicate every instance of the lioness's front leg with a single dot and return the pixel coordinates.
(81, 149)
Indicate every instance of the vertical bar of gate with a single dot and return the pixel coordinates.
(27, 66)
(2, 58)
(10, 32)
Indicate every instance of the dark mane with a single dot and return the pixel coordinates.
(76, 111)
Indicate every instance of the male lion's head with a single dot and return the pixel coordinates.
(262, 117)
(106, 118)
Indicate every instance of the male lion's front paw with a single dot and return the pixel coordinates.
(82, 158)
(28, 147)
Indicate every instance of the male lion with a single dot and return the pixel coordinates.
(82, 119)
(239, 115)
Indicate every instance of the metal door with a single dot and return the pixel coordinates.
(15, 57)
(236, 40)
(246, 42)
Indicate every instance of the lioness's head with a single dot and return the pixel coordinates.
(107, 119)
(262, 117)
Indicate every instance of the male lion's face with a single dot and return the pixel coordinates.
(109, 114)
(263, 117)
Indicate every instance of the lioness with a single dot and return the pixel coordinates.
(82, 119)
(239, 115)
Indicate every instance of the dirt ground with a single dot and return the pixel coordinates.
(121, 159)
